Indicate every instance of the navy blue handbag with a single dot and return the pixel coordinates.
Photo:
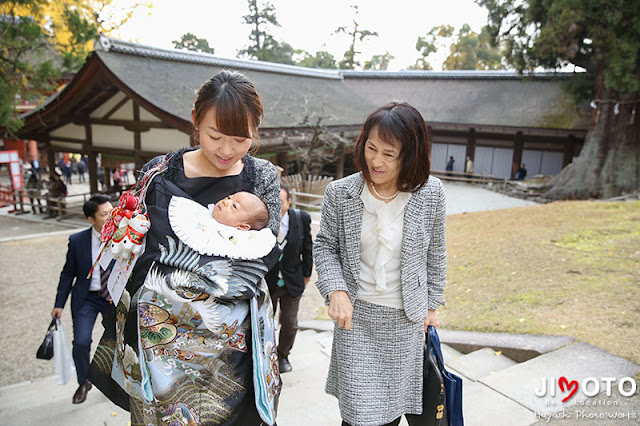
(452, 383)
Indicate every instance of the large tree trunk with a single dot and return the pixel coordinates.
(609, 163)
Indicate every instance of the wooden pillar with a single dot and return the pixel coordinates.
(137, 141)
(51, 158)
(471, 144)
(569, 147)
(517, 154)
(92, 164)
(107, 179)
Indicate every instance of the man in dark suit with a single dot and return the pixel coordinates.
(88, 295)
(288, 278)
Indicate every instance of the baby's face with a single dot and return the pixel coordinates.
(235, 210)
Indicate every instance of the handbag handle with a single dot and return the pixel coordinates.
(53, 324)
(434, 342)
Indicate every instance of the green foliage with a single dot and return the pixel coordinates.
(260, 18)
(321, 59)
(600, 36)
(274, 51)
(189, 41)
(42, 39)
(82, 32)
(379, 62)
(429, 44)
(580, 87)
(356, 34)
(25, 68)
(263, 46)
(472, 51)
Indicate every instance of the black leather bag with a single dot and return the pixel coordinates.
(434, 396)
(45, 351)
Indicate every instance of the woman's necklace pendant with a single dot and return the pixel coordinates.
(390, 197)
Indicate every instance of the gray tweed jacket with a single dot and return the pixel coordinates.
(424, 259)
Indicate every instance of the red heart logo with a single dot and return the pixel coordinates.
(562, 382)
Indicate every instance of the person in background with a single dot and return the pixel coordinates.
(115, 175)
(468, 167)
(35, 166)
(67, 172)
(34, 191)
(289, 277)
(450, 165)
(381, 260)
(81, 168)
(56, 193)
(89, 296)
(521, 173)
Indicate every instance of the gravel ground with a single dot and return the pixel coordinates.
(31, 268)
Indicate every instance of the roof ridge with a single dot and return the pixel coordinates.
(108, 44)
(457, 74)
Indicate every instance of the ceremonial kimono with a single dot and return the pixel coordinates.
(194, 340)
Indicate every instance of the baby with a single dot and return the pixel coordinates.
(242, 210)
(234, 227)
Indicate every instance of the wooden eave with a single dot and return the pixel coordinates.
(92, 86)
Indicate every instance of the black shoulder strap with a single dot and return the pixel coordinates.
(298, 216)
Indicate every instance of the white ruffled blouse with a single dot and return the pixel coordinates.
(381, 249)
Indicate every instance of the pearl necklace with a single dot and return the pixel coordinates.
(391, 197)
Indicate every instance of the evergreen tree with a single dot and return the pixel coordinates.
(189, 41)
(472, 51)
(429, 44)
(356, 34)
(601, 37)
(42, 39)
(321, 59)
(28, 64)
(378, 62)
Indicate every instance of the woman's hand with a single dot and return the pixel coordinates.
(340, 309)
(431, 319)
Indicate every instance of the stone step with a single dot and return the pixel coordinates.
(518, 347)
(449, 354)
(574, 362)
(42, 402)
(480, 363)
(303, 400)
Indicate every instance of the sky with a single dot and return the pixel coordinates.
(304, 24)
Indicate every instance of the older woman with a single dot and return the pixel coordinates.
(381, 261)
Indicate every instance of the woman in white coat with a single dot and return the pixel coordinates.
(381, 261)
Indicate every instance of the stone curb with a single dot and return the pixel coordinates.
(518, 347)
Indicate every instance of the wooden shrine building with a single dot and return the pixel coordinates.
(133, 102)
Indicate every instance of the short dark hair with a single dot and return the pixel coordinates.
(260, 218)
(399, 124)
(238, 106)
(91, 206)
(286, 190)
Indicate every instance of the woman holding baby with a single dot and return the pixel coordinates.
(193, 340)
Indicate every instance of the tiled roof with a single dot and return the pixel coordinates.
(167, 80)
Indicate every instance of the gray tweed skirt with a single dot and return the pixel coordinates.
(376, 367)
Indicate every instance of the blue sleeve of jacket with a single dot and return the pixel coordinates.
(67, 275)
